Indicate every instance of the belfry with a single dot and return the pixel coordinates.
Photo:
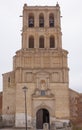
(40, 65)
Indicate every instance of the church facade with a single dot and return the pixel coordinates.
(41, 65)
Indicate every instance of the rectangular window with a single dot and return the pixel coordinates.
(42, 92)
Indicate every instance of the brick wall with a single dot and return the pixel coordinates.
(0, 102)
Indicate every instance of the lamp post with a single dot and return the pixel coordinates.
(25, 89)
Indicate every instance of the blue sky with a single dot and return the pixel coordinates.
(71, 22)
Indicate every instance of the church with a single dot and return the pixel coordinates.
(41, 66)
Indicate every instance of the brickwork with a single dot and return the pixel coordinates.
(0, 103)
(79, 106)
(73, 105)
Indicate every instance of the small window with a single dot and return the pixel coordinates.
(42, 93)
(51, 20)
(41, 42)
(41, 20)
(52, 42)
(31, 20)
(31, 42)
(8, 79)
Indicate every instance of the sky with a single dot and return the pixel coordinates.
(71, 23)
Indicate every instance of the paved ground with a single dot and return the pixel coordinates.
(12, 129)
(7, 129)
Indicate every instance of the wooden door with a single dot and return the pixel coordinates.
(42, 116)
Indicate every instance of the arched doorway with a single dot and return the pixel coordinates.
(42, 116)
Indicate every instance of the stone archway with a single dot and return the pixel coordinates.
(42, 116)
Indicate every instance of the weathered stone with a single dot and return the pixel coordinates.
(41, 66)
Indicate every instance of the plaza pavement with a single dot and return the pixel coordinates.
(12, 128)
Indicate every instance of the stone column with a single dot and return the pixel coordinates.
(37, 82)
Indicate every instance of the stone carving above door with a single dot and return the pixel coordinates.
(42, 85)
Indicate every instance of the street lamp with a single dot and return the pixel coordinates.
(25, 89)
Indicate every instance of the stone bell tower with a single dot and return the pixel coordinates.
(41, 65)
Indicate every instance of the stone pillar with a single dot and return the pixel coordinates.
(53, 126)
(45, 126)
(37, 82)
(47, 82)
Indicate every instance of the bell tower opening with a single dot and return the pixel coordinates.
(42, 116)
